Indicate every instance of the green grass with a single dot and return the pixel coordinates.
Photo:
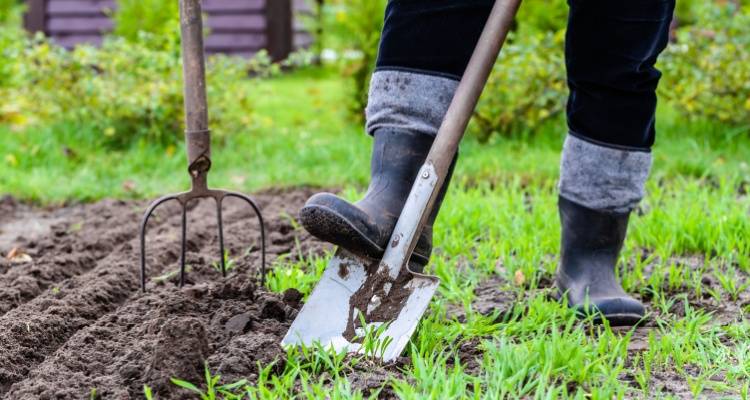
(498, 219)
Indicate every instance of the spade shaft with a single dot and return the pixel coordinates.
(357, 296)
(417, 208)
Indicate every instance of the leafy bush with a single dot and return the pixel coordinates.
(10, 12)
(126, 91)
(706, 72)
(536, 17)
(526, 87)
(158, 18)
(354, 27)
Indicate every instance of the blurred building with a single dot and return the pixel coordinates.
(237, 27)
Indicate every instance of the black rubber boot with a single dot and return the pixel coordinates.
(591, 244)
(365, 227)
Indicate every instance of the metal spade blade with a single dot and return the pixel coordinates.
(333, 313)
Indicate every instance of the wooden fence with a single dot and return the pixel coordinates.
(237, 27)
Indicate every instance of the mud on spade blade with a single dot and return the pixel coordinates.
(350, 290)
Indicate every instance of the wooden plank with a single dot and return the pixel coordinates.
(299, 25)
(35, 19)
(238, 41)
(233, 52)
(79, 7)
(302, 40)
(279, 16)
(302, 5)
(70, 41)
(239, 27)
(58, 25)
(237, 23)
(234, 6)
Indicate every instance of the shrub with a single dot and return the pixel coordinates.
(706, 72)
(526, 87)
(536, 17)
(354, 27)
(126, 91)
(10, 12)
(159, 18)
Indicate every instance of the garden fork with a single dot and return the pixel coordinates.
(198, 141)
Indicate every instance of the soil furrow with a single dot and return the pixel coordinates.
(41, 328)
(69, 248)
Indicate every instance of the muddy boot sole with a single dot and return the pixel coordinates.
(619, 319)
(598, 316)
(328, 225)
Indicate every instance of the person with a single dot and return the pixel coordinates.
(610, 48)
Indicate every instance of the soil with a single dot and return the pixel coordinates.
(372, 302)
(73, 318)
(495, 296)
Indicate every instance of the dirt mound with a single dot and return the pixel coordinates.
(165, 334)
(73, 319)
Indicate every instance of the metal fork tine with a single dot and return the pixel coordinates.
(262, 232)
(144, 223)
(183, 246)
(198, 142)
(221, 236)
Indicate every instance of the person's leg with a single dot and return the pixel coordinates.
(611, 48)
(424, 49)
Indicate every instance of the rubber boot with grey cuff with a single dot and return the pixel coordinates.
(590, 247)
(599, 187)
(365, 227)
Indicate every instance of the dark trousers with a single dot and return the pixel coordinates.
(611, 47)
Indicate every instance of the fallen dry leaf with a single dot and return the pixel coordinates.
(129, 186)
(17, 256)
(12, 253)
(238, 180)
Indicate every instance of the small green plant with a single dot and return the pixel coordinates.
(147, 393)
(374, 342)
(301, 275)
(229, 263)
(213, 390)
(732, 283)
(171, 274)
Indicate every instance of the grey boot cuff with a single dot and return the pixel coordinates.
(408, 100)
(603, 178)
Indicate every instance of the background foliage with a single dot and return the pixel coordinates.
(707, 70)
(129, 89)
(353, 30)
(526, 87)
(158, 18)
